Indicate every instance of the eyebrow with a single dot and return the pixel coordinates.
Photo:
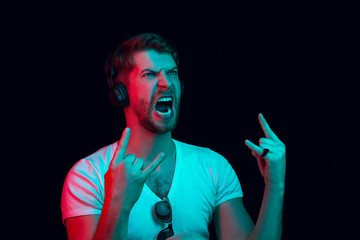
(155, 70)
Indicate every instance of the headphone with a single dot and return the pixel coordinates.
(118, 94)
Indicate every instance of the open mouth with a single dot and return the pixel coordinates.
(164, 106)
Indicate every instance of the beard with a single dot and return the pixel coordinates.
(144, 111)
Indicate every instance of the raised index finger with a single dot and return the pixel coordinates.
(122, 146)
(266, 128)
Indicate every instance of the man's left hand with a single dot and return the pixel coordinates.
(272, 165)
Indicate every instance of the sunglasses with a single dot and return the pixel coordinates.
(162, 211)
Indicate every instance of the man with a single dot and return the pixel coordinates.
(150, 186)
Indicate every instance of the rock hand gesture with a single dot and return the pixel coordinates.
(270, 154)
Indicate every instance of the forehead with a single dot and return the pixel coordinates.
(153, 59)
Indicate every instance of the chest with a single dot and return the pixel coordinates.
(160, 182)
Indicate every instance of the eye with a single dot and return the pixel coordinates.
(149, 74)
(173, 72)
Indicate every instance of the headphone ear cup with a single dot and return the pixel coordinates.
(118, 95)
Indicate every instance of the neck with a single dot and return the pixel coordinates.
(148, 145)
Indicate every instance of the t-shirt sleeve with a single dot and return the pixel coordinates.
(227, 183)
(82, 191)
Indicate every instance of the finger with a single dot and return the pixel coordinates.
(138, 164)
(130, 159)
(153, 165)
(266, 146)
(262, 163)
(254, 153)
(266, 128)
(121, 147)
(267, 141)
(124, 141)
(258, 150)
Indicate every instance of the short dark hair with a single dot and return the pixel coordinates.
(121, 60)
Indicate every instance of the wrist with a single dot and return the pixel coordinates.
(117, 206)
(278, 188)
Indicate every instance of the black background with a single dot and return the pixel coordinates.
(294, 62)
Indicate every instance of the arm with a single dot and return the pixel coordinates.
(273, 167)
(269, 222)
(231, 218)
(82, 227)
(111, 224)
(232, 221)
(124, 182)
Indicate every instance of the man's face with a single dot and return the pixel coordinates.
(154, 91)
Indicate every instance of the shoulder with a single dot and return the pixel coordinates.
(82, 192)
(93, 166)
(99, 159)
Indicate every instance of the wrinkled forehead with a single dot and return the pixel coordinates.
(153, 59)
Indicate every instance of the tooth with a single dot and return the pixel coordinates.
(164, 99)
(166, 113)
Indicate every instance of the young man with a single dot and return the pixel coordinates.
(150, 186)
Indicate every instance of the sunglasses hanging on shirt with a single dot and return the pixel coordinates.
(163, 213)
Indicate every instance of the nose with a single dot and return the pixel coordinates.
(164, 80)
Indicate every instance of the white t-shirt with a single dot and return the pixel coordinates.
(202, 180)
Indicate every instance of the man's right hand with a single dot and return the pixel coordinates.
(126, 175)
